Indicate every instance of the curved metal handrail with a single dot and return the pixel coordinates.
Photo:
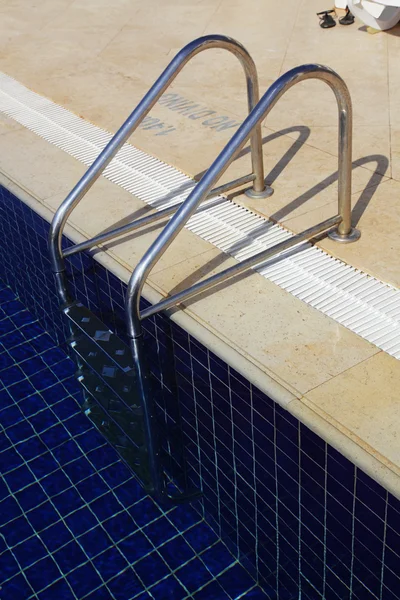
(132, 122)
(344, 231)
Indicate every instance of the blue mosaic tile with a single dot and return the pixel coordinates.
(53, 436)
(19, 432)
(119, 526)
(83, 580)
(94, 541)
(43, 516)
(10, 566)
(32, 365)
(115, 473)
(217, 558)
(101, 593)
(125, 586)
(20, 390)
(4, 492)
(69, 557)
(128, 493)
(16, 530)
(194, 575)
(160, 531)
(92, 488)
(43, 465)
(110, 563)
(67, 502)
(5, 361)
(42, 574)
(144, 512)
(81, 521)
(213, 591)
(257, 594)
(151, 569)
(55, 536)
(59, 590)
(31, 405)
(176, 552)
(17, 587)
(105, 506)
(235, 581)
(102, 457)
(43, 421)
(19, 478)
(183, 520)
(10, 416)
(11, 376)
(78, 470)
(29, 552)
(135, 546)
(65, 408)
(67, 452)
(55, 483)
(167, 589)
(22, 352)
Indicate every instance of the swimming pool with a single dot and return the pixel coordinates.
(301, 519)
(74, 522)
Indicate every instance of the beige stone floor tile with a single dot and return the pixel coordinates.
(96, 92)
(7, 124)
(39, 166)
(376, 212)
(393, 41)
(364, 401)
(142, 47)
(304, 179)
(32, 62)
(19, 15)
(275, 330)
(363, 66)
(395, 151)
(107, 206)
(371, 145)
(100, 14)
(267, 44)
(131, 249)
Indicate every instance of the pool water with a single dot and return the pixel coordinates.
(74, 523)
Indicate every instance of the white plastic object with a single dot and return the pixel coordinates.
(375, 14)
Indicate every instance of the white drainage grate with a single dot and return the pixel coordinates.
(358, 301)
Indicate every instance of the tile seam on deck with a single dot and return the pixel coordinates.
(354, 299)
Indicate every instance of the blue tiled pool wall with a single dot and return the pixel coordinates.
(295, 512)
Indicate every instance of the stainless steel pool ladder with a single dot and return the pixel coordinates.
(338, 227)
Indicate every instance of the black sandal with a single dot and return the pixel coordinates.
(348, 19)
(326, 21)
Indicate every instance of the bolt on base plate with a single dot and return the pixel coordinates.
(349, 238)
(265, 193)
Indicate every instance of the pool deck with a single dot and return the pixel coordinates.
(98, 61)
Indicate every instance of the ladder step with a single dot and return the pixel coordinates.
(117, 351)
(118, 407)
(135, 455)
(129, 420)
(122, 384)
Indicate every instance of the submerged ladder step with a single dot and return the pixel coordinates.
(134, 455)
(101, 335)
(130, 420)
(123, 384)
(109, 379)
